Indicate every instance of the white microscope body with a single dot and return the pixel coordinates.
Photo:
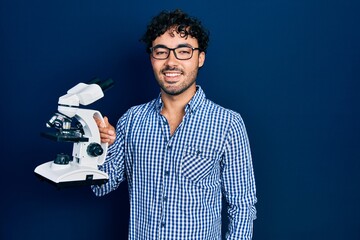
(88, 150)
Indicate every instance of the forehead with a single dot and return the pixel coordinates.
(173, 39)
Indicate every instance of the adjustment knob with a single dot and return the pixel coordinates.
(94, 149)
(62, 159)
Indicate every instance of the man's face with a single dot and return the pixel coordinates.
(173, 75)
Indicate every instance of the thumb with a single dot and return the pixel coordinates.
(105, 123)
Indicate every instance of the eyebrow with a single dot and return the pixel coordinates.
(180, 45)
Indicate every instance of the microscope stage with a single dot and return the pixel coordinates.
(56, 136)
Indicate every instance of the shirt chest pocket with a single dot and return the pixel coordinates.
(197, 164)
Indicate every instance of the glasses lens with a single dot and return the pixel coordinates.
(160, 53)
(183, 53)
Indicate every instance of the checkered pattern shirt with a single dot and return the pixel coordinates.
(177, 183)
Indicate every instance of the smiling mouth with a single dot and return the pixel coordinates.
(172, 74)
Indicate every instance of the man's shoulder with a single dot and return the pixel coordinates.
(226, 118)
(219, 110)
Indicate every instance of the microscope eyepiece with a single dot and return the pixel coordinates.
(104, 84)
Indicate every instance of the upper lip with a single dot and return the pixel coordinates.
(170, 70)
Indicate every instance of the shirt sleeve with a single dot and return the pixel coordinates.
(114, 164)
(238, 183)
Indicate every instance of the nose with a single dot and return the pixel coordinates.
(171, 59)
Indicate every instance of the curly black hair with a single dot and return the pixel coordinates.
(182, 23)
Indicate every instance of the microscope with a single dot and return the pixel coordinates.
(78, 126)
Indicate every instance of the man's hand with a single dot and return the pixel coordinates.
(107, 131)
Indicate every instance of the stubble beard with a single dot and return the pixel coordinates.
(177, 91)
(180, 89)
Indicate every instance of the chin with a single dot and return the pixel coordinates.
(176, 90)
(173, 92)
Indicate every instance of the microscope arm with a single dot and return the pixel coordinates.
(81, 150)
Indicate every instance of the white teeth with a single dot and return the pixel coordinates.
(172, 74)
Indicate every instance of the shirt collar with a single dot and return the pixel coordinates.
(193, 104)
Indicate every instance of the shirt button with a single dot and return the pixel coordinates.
(165, 199)
(162, 224)
(167, 173)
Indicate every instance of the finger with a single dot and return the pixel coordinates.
(109, 126)
(105, 135)
(107, 131)
(105, 138)
(106, 121)
(99, 122)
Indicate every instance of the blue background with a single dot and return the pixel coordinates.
(291, 68)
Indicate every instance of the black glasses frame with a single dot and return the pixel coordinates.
(172, 49)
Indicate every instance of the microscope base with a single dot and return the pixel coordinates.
(70, 175)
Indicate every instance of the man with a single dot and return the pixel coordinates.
(181, 153)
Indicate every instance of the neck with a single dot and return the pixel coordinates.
(177, 103)
(174, 107)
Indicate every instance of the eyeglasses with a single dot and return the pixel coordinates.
(182, 53)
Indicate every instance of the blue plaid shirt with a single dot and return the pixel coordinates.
(177, 183)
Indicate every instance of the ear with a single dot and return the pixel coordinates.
(201, 59)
